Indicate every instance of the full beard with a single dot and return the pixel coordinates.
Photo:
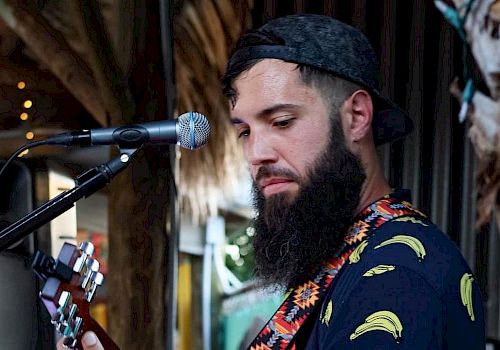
(295, 237)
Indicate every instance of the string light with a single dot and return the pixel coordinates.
(21, 85)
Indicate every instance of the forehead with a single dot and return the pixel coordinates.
(270, 71)
(272, 81)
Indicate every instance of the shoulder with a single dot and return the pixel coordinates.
(416, 245)
(411, 273)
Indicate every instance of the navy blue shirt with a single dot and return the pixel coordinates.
(410, 289)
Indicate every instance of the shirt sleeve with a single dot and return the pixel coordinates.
(391, 307)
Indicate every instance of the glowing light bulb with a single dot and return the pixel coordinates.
(27, 104)
(21, 85)
(24, 116)
(30, 135)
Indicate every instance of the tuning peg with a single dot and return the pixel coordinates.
(96, 280)
(70, 327)
(69, 342)
(87, 250)
(64, 301)
(72, 312)
(59, 317)
(71, 331)
(92, 266)
(78, 325)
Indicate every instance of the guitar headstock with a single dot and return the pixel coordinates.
(70, 285)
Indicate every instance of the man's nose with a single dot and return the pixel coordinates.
(260, 150)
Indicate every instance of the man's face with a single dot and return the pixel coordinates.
(306, 182)
(283, 125)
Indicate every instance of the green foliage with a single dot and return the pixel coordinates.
(239, 253)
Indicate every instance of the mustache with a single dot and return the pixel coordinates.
(275, 171)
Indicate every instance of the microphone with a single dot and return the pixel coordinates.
(191, 130)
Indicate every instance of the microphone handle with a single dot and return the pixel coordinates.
(130, 136)
(80, 138)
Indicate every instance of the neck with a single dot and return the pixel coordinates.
(375, 185)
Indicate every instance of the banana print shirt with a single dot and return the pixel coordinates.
(410, 289)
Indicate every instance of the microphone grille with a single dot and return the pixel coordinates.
(193, 130)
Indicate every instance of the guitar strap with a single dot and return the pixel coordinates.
(281, 330)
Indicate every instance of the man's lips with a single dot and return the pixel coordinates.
(273, 185)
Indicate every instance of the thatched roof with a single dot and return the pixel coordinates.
(204, 31)
(85, 53)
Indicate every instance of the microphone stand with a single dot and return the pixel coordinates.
(86, 184)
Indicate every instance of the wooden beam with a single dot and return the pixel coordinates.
(11, 74)
(53, 51)
(111, 82)
(8, 40)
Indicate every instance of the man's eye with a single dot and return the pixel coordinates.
(283, 123)
(243, 133)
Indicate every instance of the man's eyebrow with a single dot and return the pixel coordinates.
(268, 111)
(277, 107)
(236, 121)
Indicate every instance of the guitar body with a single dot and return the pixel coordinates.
(70, 285)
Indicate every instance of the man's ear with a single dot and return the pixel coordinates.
(359, 107)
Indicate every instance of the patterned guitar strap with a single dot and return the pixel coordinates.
(281, 330)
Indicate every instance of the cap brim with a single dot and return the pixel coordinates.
(390, 123)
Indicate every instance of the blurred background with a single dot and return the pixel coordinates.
(173, 232)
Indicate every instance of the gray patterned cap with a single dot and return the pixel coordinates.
(325, 43)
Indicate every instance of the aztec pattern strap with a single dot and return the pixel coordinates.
(280, 330)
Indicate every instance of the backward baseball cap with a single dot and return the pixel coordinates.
(325, 43)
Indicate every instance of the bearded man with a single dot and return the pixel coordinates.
(364, 268)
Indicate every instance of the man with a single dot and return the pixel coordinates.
(364, 269)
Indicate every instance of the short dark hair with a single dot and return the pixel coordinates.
(334, 90)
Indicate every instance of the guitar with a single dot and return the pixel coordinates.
(70, 283)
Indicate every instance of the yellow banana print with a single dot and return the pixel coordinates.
(410, 219)
(466, 293)
(378, 270)
(355, 255)
(410, 241)
(384, 320)
(328, 314)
